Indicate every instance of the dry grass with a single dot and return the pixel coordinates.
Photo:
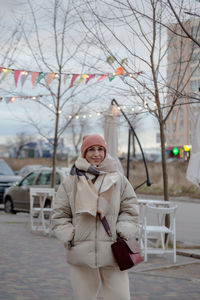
(178, 184)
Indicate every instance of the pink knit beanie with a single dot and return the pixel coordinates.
(92, 140)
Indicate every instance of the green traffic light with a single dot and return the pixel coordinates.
(175, 151)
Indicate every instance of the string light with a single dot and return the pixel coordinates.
(13, 99)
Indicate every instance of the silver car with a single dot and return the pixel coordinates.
(17, 198)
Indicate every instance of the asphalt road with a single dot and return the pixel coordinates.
(188, 222)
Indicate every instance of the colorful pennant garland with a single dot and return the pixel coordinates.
(36, 77)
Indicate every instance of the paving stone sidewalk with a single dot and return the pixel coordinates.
(33, 267)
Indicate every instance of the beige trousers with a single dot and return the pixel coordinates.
(85, 283)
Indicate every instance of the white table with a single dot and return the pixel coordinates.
(38, 211)
(153, 201)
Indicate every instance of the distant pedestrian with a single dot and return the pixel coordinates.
(95, 189)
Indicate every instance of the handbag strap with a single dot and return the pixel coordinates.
(106, 226)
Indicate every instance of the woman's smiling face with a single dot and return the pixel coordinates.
(95, 155)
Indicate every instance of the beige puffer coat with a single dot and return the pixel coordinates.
(83, 235)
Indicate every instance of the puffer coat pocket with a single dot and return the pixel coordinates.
(84, 228)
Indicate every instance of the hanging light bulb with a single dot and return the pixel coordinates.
(13, 99)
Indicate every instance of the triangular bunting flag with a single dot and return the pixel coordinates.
(6, 72)
(102, 77)
(50, 77)
(16, 76)
(40, 76)
(66, 76)
(73, 79)
(24, 76)
(34, 76)
(119, 71)
(89, 77)
(83, 76)
(7, 99)
(111, 77)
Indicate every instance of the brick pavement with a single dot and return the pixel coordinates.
(33, 267)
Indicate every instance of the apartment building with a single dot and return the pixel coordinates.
(183, 75)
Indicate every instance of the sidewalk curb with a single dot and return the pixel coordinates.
(152, 268)
(189, 253)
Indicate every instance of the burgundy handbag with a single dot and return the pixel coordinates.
(126, 252)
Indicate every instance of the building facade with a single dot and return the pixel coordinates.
(183, 77)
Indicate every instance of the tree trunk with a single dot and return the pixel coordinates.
(164, 169)
(56, 133)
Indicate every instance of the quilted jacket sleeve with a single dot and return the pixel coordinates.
(127, 224)
(62, 216)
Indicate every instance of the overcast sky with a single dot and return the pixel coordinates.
(12, 115)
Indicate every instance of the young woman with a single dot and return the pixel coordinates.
(93, 190)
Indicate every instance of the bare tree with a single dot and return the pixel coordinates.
(18, 143)
(53, 47)
(134, 30)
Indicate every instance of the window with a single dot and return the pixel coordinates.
(29, 179)
(181, 127)
(57, 179)
(174, 127)
(181, 114)
(193, 85)
(44, 178)
(174, 116)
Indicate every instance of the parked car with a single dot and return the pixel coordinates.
(17, 198)
(27, 169)
(7, 178)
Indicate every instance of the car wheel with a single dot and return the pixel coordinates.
(8, 206)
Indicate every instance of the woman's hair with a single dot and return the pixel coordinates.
(92, 140)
